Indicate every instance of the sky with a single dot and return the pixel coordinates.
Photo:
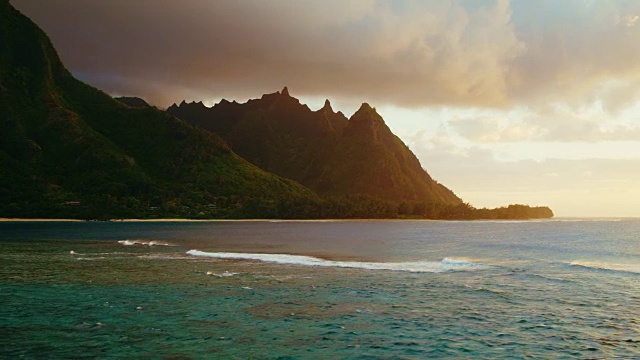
(534, 102)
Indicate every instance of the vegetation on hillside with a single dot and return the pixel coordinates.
(322, 150)
(68, 150)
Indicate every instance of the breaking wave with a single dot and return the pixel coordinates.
(627, 268)
(446, 264)
(143, 242)
(222, 274)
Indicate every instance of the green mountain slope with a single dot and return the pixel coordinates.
(370, 159)
(63, 141)
(70, 150)
(275, 132)
(323, 150)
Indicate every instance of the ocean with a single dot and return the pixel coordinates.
(320, 289)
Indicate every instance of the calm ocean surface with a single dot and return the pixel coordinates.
(344, 289)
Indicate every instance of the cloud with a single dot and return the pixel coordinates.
(571, 187)
(576, 50)
(549, 123)
(630, 20)
(496, 130)
(412, 54)
(546, 58)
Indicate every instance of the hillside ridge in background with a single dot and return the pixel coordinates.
(322, 149)
(68, 150)
(133, 101)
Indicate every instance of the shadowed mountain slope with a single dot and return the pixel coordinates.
(69, 149)
(320, 149)
(133, 101)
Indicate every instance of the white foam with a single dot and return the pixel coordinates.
(447, 264)
(143, 242)
(223, 274)
(607, 266)
(172, 256)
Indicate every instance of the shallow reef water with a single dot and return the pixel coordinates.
(344, 289)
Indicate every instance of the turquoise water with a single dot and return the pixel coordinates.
(354, 289)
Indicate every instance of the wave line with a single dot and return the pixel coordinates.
(447, 264)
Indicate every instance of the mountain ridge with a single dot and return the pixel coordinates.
(337, 155)
(65, 142)
(69, 150)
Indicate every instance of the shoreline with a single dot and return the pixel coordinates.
(178, 220)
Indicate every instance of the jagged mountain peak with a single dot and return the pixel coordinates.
(227, 102)
(185, 104)
(365, 108)
(327, 106)
(322, 149)
(366, 113)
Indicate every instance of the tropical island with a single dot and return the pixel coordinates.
(69, 150)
